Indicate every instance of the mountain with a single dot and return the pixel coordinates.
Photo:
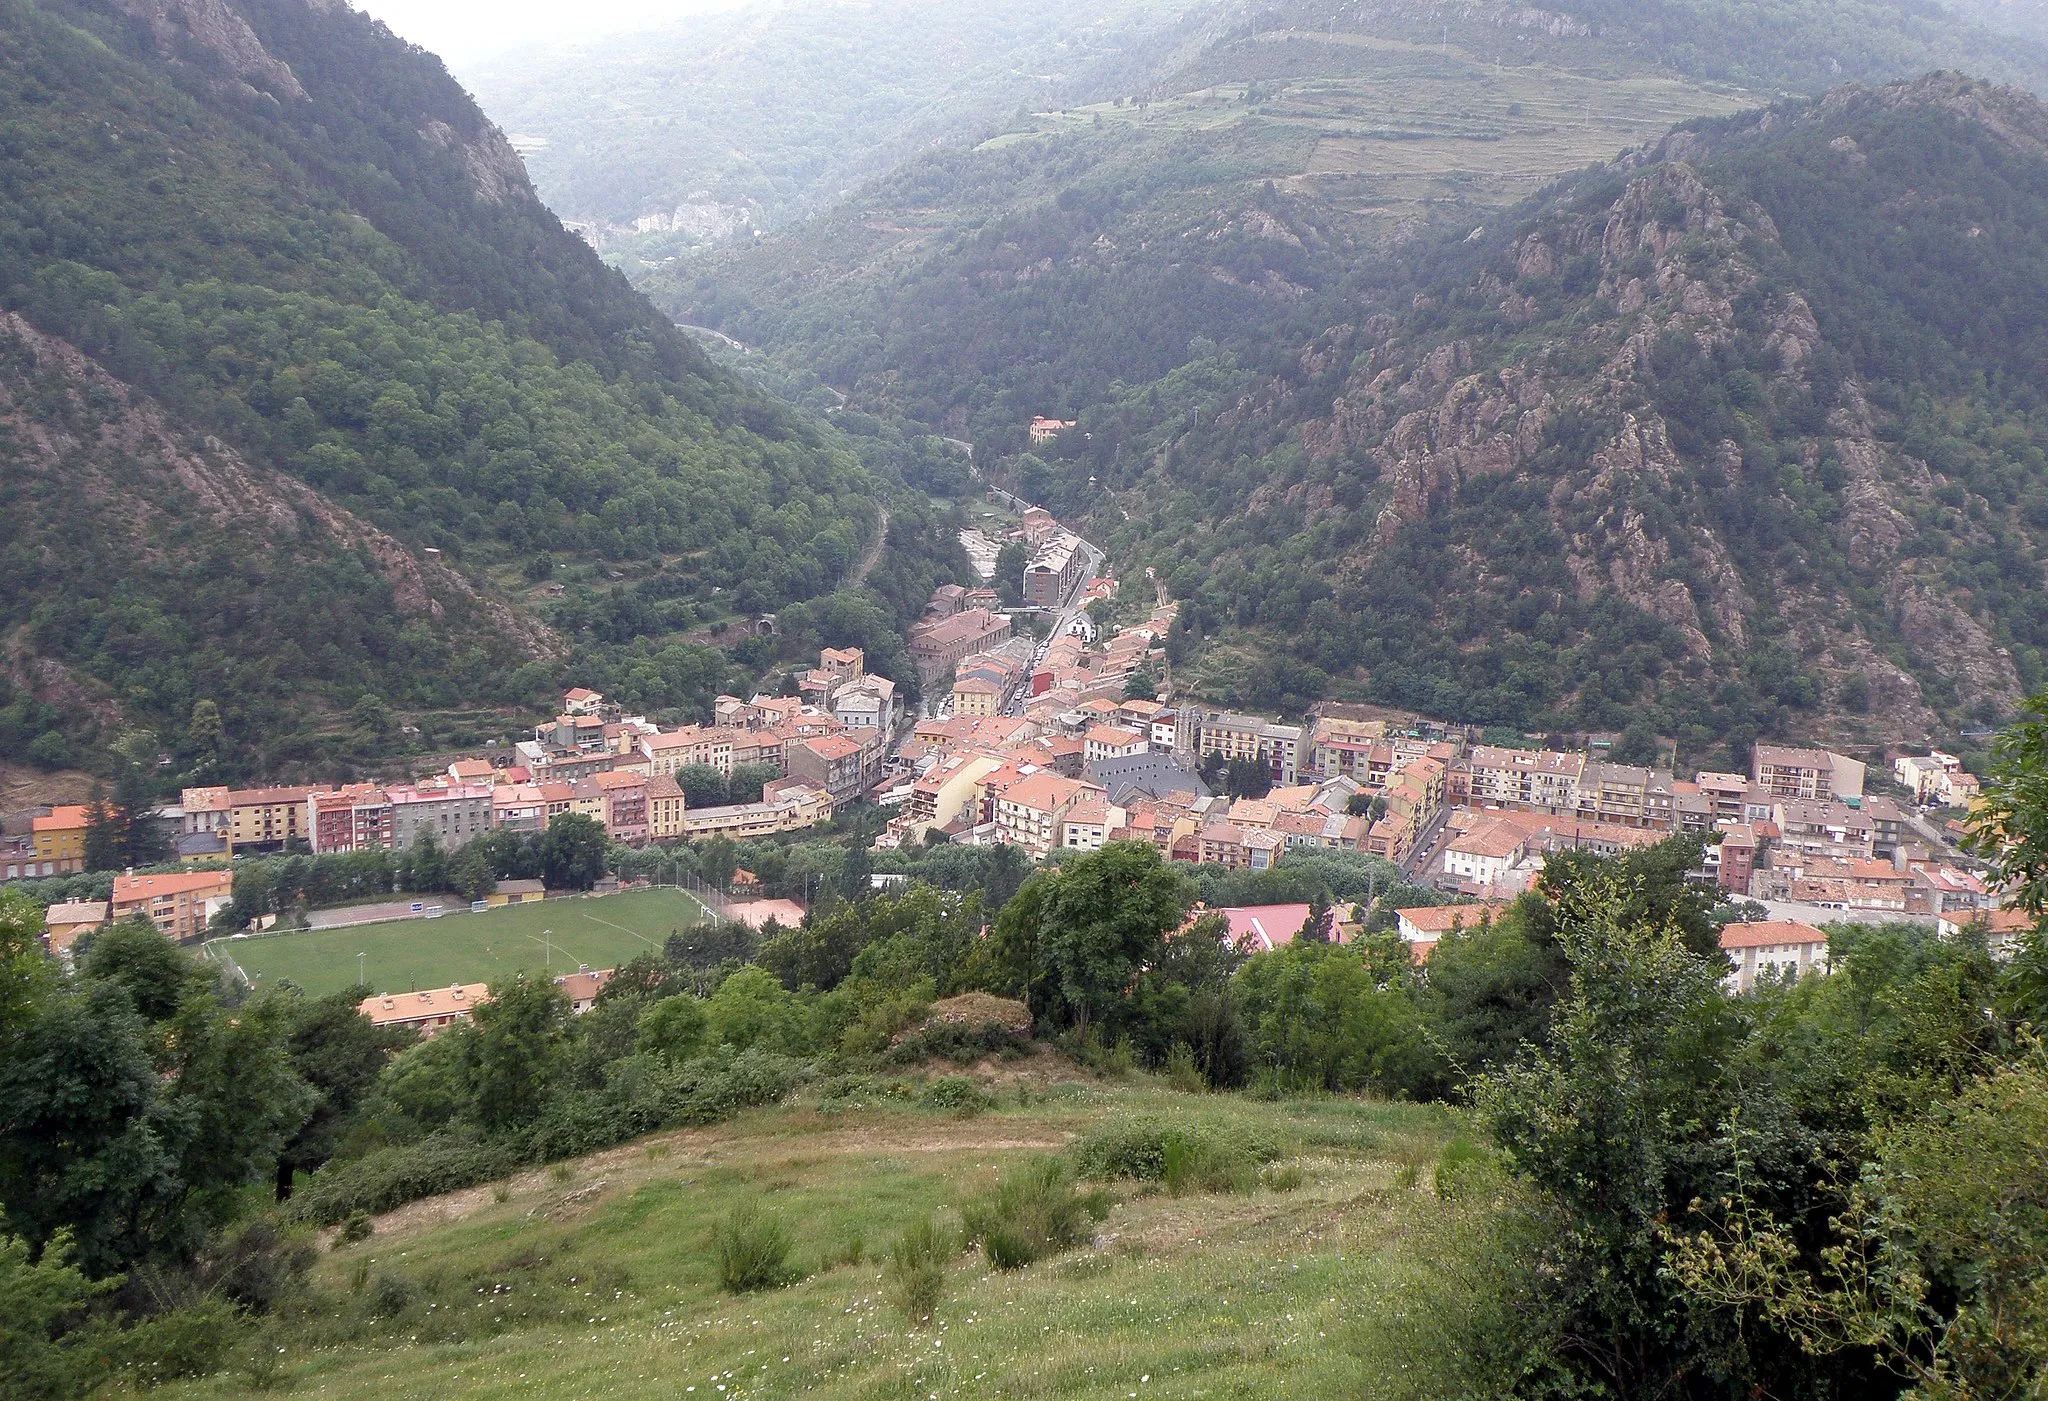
(713, 125)
(308, 399)
(1233, 186)
(1741, 434)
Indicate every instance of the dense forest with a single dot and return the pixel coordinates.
(297, 258)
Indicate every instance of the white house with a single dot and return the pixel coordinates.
(1783, 947)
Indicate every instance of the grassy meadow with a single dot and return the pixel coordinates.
(469, 948)
(597, 1279)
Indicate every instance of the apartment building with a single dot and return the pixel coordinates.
(57, 841)
(179, 905)
(617, 800)
(1823, 828)
(835, 763)
(266, 818)
(1029, 812)
(1057, 568)
(868, 703)
(666, 808)
(453, 815)
(427, 1012)
(1524, 780)
(354, 817)
(1785, 772)
(1627, 796)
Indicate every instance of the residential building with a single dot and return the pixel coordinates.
(582, 988)
(619, 801)
(835, 763)
(1734, 857)
(58, 841)
(354, 817)
(478, 771)
(1057, 568)
(1823, 828)
(266, 818)
(937, 645)
(666, 808)
(64, 923)
(520, 807)
(949, 795)
(1151, 775)
(867, 703)
(1888, 828)
(453, 815)
(1263, 928)
(582, 701)
(1482, 855)
(1627, 796)
(1728, 793)
(427, 1012)
(1779, 948)
(205, 809)
(1785, 772)
(1088, 823)
(2002, 929)
(1524, 780)
(1104, 742)
(1423, 927)
(180, 905)
(977, 695)
(1030, 811)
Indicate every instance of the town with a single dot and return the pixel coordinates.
(1066, 743)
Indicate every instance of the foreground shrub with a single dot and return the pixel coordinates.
(752, 1247)
(959, 1094)
(915, 1273)
(1035, 1211)
(1196, 1162)
(1183, 1157)
(391, 1177)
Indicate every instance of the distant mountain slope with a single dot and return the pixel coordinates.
(1741, 435)
(1234, 191)
(273, 222)
(698, 130)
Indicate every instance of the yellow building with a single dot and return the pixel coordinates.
(267, 817)
(977, 696)
(516, 892)
(60, 837)
(665, 808)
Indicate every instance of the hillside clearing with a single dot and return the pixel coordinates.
(1202, 1295)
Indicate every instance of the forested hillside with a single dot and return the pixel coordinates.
(1740, 435)
(1235, 191)
(270, 240)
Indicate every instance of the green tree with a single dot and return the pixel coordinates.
(572, 852)
(703, 786)
(206, 731)
(751, 1008)
(513, 1056)
(153, 973)
(674, 1028)
(1076, 937)
(339, 1053)
(1011, 561)
(1141, 685)
(471, 872)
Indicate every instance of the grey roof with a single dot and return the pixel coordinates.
(1154, 775)
(202, 844)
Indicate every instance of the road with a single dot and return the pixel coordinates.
(873, 556)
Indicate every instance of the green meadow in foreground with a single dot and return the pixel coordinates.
(601, 1278)
(469, 948)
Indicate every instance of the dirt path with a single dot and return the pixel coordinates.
(873, 556)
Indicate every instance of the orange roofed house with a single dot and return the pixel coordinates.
(426, 1012)
(59, 841)
(180, 906)
(1423, 927)
(1782, 947)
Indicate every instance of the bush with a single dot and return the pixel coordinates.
(1282, 1177)
(1033, 1212)
(356, 1228)
(391, 1177)
(916, 1269)
(1462, 1169)
(189, 1342)
(1196, 1162)
(961, 1043)
(1137, 1150)
(959, 1094)
(753, 1250)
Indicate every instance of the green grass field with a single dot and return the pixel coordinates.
(468, 948)
(597, 1279)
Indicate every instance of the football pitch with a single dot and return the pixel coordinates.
(408, 954)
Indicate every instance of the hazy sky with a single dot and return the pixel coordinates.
(463, 31)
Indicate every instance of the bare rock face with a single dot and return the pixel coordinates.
(210, 26)
(495, 170)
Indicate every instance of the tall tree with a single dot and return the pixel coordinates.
(572, 851)
(512, 1058)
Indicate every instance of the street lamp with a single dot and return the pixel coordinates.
(359, 967)
(547, 949)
